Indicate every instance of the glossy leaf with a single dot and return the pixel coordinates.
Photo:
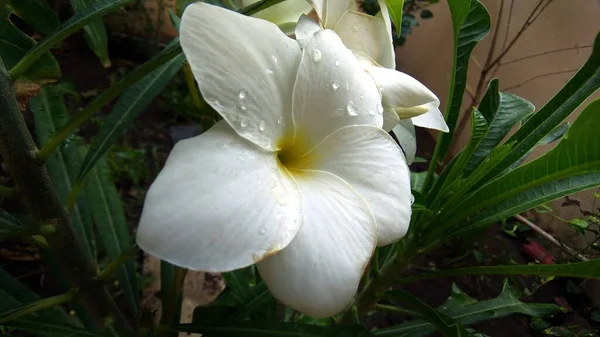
(14, 44)
(107, 212)
(444, 324)
(467, 310)
(129, 106)
(262, 329)
(503, 111)
(585, 82)
(396, 8)
(471, 23)
(95, 10)
(573, 165)
(50, 115)
(37, 13)
(94, 33)
(588, 269)
(553, 136)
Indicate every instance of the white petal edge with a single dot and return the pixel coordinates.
(219, 204)
(332, 91)
(305, 30)
(319, 271)
(245, 69)
(390, 119)
(285, 13)
(432, 119)
(362, 33)
(388, 55)
(405, 133)
(399, 89)
(370, 161)
(330, 11)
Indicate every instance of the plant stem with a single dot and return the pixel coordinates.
(37, 192)
(7, 192)
(104, 98)
(189, 79)
(113, 266)
(169, 307)
(37, 306)
(396, 310)
(259, 6)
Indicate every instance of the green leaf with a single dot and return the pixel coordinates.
(239, 283)
(107, 211)
(553, 136)
(416, 180)
(37, 13)
(509, 110)
(14, 44)
(585, 82)
(396, 8)
(50, 115)
(11, 227)
(587, 269)
(94, 33)
(471, 23)
(467, 310)
(129, 106)
(52, 328)
(275, 329)
(444, 324)
(76, 22)
(573, 165)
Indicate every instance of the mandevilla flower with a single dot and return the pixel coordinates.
(299, 177)
(404, 99)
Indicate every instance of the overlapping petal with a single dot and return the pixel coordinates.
(220, 45)
(332, 91)
(363, 34)
(219, 204)
(399, 89)
(319, 271)
(388, 56)
(368, 159)
(305, 30)
(330, 11)
(284, 14)
(405, 133)
(433, 118)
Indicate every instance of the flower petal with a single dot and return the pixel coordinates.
(388, 56)
(368, 159)
(405, 133)
(399, 89)
(220, 203)
(245, 68)
(285, 13)
(362, 33)
(332, 91)
(432, 119)
(305, 30)
(319, 271)
(390, 119)
(330, 11)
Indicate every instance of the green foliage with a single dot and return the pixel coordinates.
(36, 13)
(261, 329)
(94, 33)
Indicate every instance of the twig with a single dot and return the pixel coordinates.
(510, 11)
(549, 237)
(543, 53)
(114, 265)
(538, 77)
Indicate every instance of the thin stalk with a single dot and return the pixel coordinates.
(38, 194)
(113, 266)
(7, 192)
(169, 308)
(396, 310)
(103, 99)
(191, 83)
(259, 6)
(37, 306)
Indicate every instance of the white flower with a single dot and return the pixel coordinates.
(405, 100)
(299, 176)
(284, 14)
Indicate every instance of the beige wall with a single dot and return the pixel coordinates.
(427, 55)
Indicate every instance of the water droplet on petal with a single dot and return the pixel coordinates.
(371, 112)
(242, 94)
(270, 71)
(335, 85)
(347, 86)
(275, 61)
(412, 199)
(218, 105)
(262, 125)
(351, 108)
(316, 55)
(337, 63)
(354, 29)
(379, 109)
(243, 107)
(244, 122)
(263, 230)
(280, 120)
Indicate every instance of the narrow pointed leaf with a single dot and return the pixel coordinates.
(11, 227)
(50, 115)
(263, 329)
(52, 328)
(94, 33)
(553, 136)
(129, 106)
(107, 211)
(573, 165)
(37, 13)
(76, 22)
(396, 8)
(467, 310)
